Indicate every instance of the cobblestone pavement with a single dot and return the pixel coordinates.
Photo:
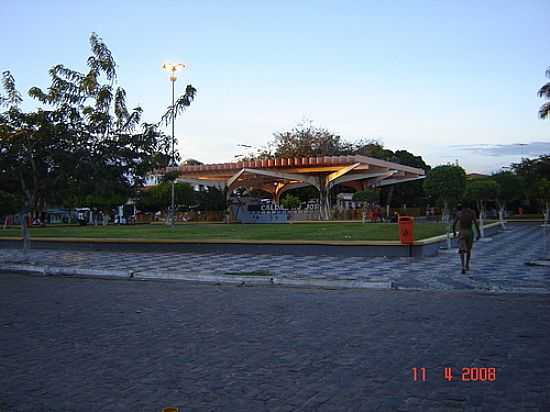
(70, 344)
(498, 265)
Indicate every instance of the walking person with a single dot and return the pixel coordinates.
(466, 219)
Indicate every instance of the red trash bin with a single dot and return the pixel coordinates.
(406, 225)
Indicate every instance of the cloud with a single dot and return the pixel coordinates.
(515, 149)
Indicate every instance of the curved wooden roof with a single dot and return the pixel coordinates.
(303, 163)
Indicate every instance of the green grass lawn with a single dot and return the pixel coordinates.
(296, 231)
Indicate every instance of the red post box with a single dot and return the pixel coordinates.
(406, 225)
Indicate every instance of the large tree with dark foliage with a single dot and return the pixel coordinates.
(531, 171)
(83, 143)
(445, 185)
(157, 198)
(510, 189)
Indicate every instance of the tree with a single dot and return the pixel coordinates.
(542, 193)
(82, 143)
(544, 92)
(481, 191)
(411, 193)
(530, 171)
(9, 204)
(290, 201)
(157, 198)
(366, 196)
(510, 190)
(210, 199)
(170, 176)
(179, 106)
(191, 162)
(445, 184)
(306, 140)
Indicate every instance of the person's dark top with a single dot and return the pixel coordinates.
(465, 219)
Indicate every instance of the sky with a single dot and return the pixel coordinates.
(447, 80)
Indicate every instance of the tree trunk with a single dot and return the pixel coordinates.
(481, 217)
(173, 207)
(501, 217)
(445, 214)
(449, 228)
(25, 234)
(446, 219)
(388, 201)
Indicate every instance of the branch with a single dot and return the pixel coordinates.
(544, 91)
(180, 105)
(8, 83)
(544, 111)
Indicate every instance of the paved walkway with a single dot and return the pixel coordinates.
(90, 345)
(498, 265)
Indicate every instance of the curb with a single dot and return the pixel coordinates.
(200, 277)
(66, 271)
(539, 262)
(334, 284)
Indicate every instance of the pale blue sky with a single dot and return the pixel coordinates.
(425, 76)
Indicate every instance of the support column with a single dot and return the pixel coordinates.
(324, 199)
(229, 218)
(278, 192)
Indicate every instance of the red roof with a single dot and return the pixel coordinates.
(271, 163)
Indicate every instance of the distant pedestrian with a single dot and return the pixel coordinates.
(466, 218)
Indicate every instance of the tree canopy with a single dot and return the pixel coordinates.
(290, 201)
(307, 140)
(367, 195)
(83, 146)
(510, 187)
(544, 92)
(445, 184)
(158, 197)
(481, 190)
(531, 171)
(542, 190)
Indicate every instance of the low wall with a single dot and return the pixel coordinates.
(298, 249)
(421, 248)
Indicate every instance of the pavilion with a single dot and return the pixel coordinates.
(277, 176)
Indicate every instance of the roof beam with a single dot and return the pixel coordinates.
(234, 178)
(203, 182)
(389, 165)
(388, 182)
(288, 186)
(283, 175)
(335, 175)
(361, 176)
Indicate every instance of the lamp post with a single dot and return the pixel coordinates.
(172, 68)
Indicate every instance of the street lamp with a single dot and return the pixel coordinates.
(172, 68)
